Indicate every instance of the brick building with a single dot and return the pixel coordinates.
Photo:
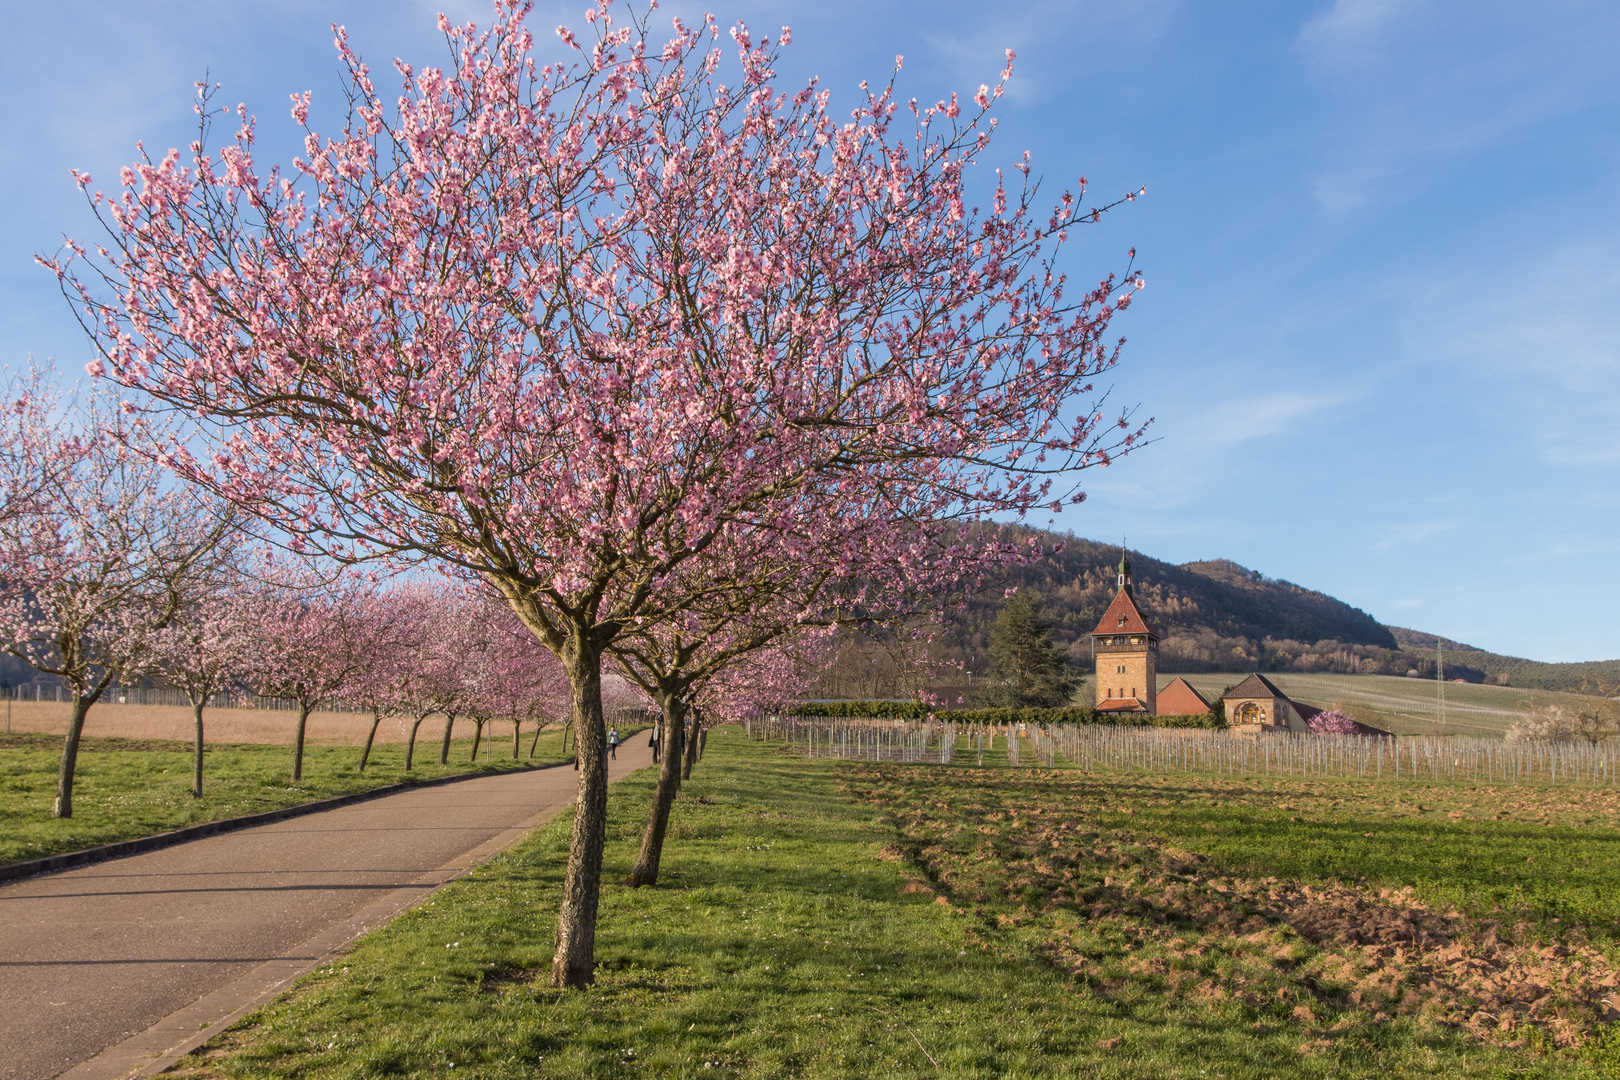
(1127, 653)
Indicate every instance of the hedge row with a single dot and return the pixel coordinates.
(1078, 714)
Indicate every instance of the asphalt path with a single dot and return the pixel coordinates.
(91, 958)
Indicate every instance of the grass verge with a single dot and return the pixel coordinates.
(788, 939)
(128, 788)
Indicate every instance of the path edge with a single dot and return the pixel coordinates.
(73, 860)
(136, 1058)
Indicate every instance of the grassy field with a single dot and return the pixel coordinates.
(127, 788)
(1404, 706)
(834, 919)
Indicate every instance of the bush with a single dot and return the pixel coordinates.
(1078, 714)
(1554, 723)
(1332, 722)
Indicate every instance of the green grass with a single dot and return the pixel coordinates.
(784, 942)
(126, 788)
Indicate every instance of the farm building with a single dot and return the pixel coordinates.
(1179, 698)
(1255, 705)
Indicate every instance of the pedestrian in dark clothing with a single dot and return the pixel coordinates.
(653, 742)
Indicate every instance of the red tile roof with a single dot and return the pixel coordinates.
(1127, 704)
(1179, 698)
(1122, 617)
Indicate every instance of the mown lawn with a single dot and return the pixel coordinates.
(798, 933)
(127, 788)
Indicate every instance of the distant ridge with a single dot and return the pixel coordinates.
(1215, 615)
(1598, 676)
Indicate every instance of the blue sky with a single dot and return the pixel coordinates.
(1381, 334)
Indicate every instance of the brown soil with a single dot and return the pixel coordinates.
(271, 726)
(1126, 911)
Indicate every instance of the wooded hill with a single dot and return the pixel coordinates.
(1602, 676)
(1218, 616)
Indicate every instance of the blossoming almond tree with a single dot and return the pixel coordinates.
(389, 641)
(727, 665)
(307, 641)
(556, 325)
(203, 650)
(429, 607)
(98, 550)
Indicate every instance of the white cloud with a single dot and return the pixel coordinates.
(1535, 337)
(1414, 532)
(1415, 87)
(1347, 28)
(1257, 416)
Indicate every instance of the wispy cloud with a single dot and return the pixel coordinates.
(1413, 86)
(1535, 337)
(1344, 32)
(1404, 535)
(1258, 416)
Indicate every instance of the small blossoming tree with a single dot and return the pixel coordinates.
(99, 550)
(1332, 722)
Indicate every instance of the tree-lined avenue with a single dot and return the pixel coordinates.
(95, 955)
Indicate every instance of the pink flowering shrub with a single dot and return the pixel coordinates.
(1332, 722)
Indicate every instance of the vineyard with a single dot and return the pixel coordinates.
(1157, 750)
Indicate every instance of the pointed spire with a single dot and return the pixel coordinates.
(1124, 569)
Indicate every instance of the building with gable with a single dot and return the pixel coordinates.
(1126, 649)
(1255, 705)
(1127, 653)
(1179, 697)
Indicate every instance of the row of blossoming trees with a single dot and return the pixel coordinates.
(679, 363)
(112, 572)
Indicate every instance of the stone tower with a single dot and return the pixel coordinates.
(1127, 652)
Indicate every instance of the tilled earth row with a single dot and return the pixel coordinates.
(1083, 872)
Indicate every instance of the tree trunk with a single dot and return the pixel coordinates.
(517, 736)
(539, 725)
(197, 752)
(444, 750)
(410, 744)
(574, 963)
(371, 736)
(478, 737)
(692, 741)
(703, 742)
(298, 746)
(70, 758)
(669, 782)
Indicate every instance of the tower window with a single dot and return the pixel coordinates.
(1122, 620)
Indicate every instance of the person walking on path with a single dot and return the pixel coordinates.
(613, 743)
(653, 743)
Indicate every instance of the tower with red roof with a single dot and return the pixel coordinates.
(1127, 652)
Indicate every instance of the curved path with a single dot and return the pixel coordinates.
(113, 968)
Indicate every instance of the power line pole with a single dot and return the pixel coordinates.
(1440, 678)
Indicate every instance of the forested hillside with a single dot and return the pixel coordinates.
(1596, 676)
(1211, 616)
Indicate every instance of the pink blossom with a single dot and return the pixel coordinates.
(445, 335)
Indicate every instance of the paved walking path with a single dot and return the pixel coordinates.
(111, 967)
